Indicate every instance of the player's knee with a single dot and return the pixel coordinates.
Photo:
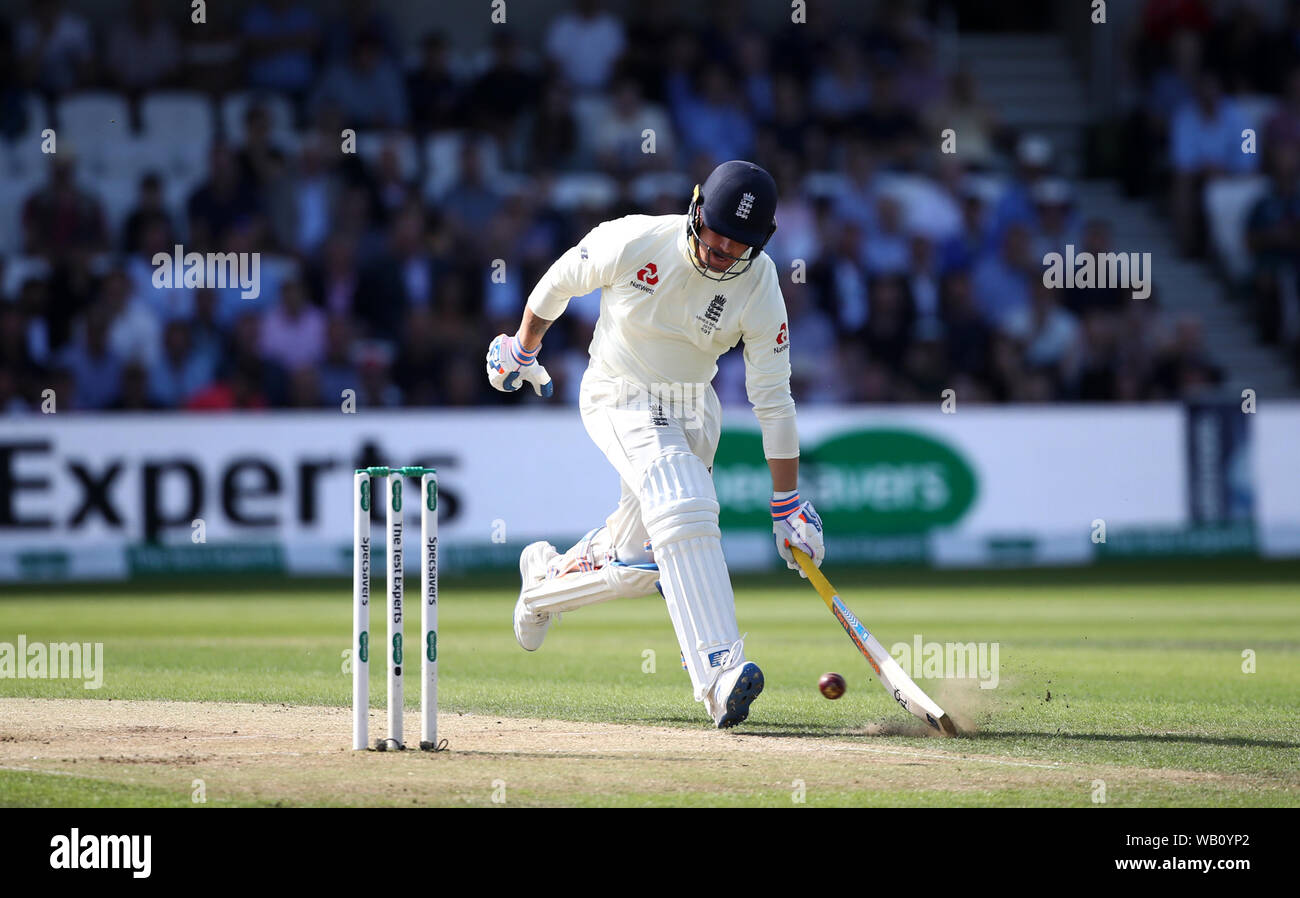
(678, 500)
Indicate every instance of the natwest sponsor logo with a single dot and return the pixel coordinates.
(782, 339)
(647, 278)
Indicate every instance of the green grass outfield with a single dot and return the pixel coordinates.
(1143, 664)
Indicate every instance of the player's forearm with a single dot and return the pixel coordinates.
(531, 329)
(785, 474)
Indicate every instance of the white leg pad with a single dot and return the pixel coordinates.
(680, 510)
(581, 588)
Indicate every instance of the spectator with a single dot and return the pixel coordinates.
(134, 394)
(360, 17)
(1184, 367)
(312, 194)
(973, 122)
(144, 51)
(506, 90)
(222, 202)
(1273, 236)
(1047, 332)
(710, 122)
(887, 247)
(1205, 142)
(890, 128)
(54, 47)
(890, 322)
(585, 44)
(967, 334)
(240, 390)
(261, 162)
(473, 200)
(842, 279)
(134, 332)
(551, 134)
(96, 373)
(20, 366)
(61, 218)
(1004, 282)
(842, 89)
(164, 303)
(433, 91)
(150, 208)
(180, 371)
(293, 333)
(404, 276)
(367, 88)
(618, 139)
(337, 370)
(281, 37)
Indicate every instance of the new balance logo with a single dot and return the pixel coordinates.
(746, 206)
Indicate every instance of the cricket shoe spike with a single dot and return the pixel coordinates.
(531, 626)
(733, 693)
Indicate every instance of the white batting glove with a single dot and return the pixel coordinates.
(795, 523)
(509, 365)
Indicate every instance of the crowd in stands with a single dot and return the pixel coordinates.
(389, 269)
(1206, 75)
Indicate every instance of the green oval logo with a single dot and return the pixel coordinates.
(364, 648)
(863, 482)
(397, 648)
(365, 494)
(431, 646)
(397, 494)
(431, 494)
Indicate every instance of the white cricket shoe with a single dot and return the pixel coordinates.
(729, 699)
(531, 627)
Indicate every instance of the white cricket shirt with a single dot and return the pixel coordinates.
(662, 322)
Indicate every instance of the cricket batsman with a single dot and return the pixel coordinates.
(677, 291)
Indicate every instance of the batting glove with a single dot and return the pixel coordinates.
(795, 523)
(509, 365)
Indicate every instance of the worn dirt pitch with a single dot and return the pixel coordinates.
(279, 754)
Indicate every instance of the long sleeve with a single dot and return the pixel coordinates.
(582, 269)
(767, 369)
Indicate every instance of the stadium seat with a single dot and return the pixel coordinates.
(93, 115)
(96, 126)
(584, 191)
(649, 187)
(442, 152)
(1227, 205)
(184, 115)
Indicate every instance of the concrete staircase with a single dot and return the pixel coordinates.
(1032, 82)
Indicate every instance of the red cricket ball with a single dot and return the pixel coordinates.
(832, 685)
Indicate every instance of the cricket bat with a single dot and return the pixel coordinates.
(891, 675)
